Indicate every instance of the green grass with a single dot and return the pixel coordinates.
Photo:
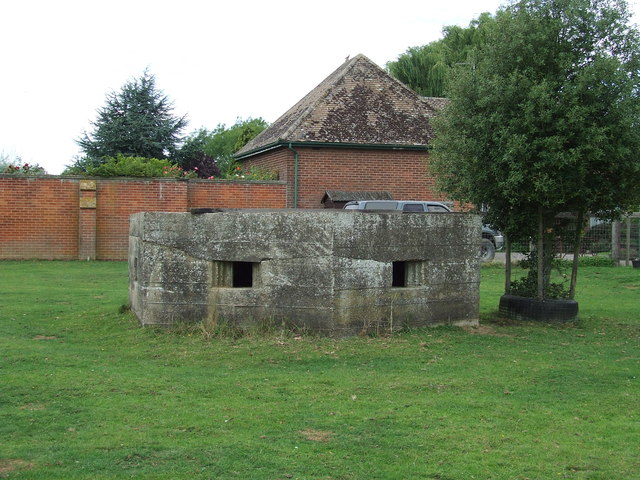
(85, 393)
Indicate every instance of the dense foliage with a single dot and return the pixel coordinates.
(137, 121)
(122, 166)
(18, 168)
(14, 165)
(205, 148)
(426, 69)
(546, 121)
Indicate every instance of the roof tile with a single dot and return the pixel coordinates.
(359, 103)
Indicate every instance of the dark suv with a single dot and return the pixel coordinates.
(492, 240)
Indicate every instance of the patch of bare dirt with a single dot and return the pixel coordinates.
(44, 337)
(317, 435)
(9, 465)
(484, 330)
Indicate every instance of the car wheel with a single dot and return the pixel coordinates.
(487, 250)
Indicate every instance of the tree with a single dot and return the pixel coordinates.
(545, 121)
(137, 121)
(218, 145)
(426, 69)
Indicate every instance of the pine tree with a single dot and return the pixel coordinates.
(137, 121)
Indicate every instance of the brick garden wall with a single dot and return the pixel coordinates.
(39, 218)
(65, 218)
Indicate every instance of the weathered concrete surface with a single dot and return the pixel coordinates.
(327, 271)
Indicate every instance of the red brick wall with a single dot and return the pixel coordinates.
(118, 199)
(38, 218)
(69, 218)
(236, 194)
(403, 173)
(280, 160)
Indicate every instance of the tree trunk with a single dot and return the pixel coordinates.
(576, 252)
(540, 248)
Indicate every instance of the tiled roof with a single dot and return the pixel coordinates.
(359, 103)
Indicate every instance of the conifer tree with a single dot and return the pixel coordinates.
(137, 121)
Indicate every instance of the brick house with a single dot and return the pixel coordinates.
(358, 130)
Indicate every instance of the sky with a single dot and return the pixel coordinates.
(216, 60)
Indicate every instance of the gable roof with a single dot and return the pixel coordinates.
(358, 104)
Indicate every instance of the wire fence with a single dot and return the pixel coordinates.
(617, 240)
(621, 240)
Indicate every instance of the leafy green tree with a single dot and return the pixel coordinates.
(546, 121)
(218, 146)
(426, 69)
(191, 155)
(137, 121)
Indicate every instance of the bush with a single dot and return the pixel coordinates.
(25, 169)
(121, 166)
(252, 173)
(527, 286)
(204, 165)
(596, 261)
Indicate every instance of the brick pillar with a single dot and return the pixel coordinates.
(87, 220)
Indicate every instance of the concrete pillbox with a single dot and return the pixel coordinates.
(331, 271)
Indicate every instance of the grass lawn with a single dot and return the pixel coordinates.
(85, 393)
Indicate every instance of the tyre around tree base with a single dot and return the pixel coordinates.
(525, 308)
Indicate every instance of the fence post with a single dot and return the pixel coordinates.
(627, 256)
(615, 242)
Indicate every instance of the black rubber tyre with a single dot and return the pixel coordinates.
(524, 308)
(487, 250)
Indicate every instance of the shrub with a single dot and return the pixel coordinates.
(204, 165)
(596, 261)
(25, 169)
(527, 286)
(252, 173)
(121, 166)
